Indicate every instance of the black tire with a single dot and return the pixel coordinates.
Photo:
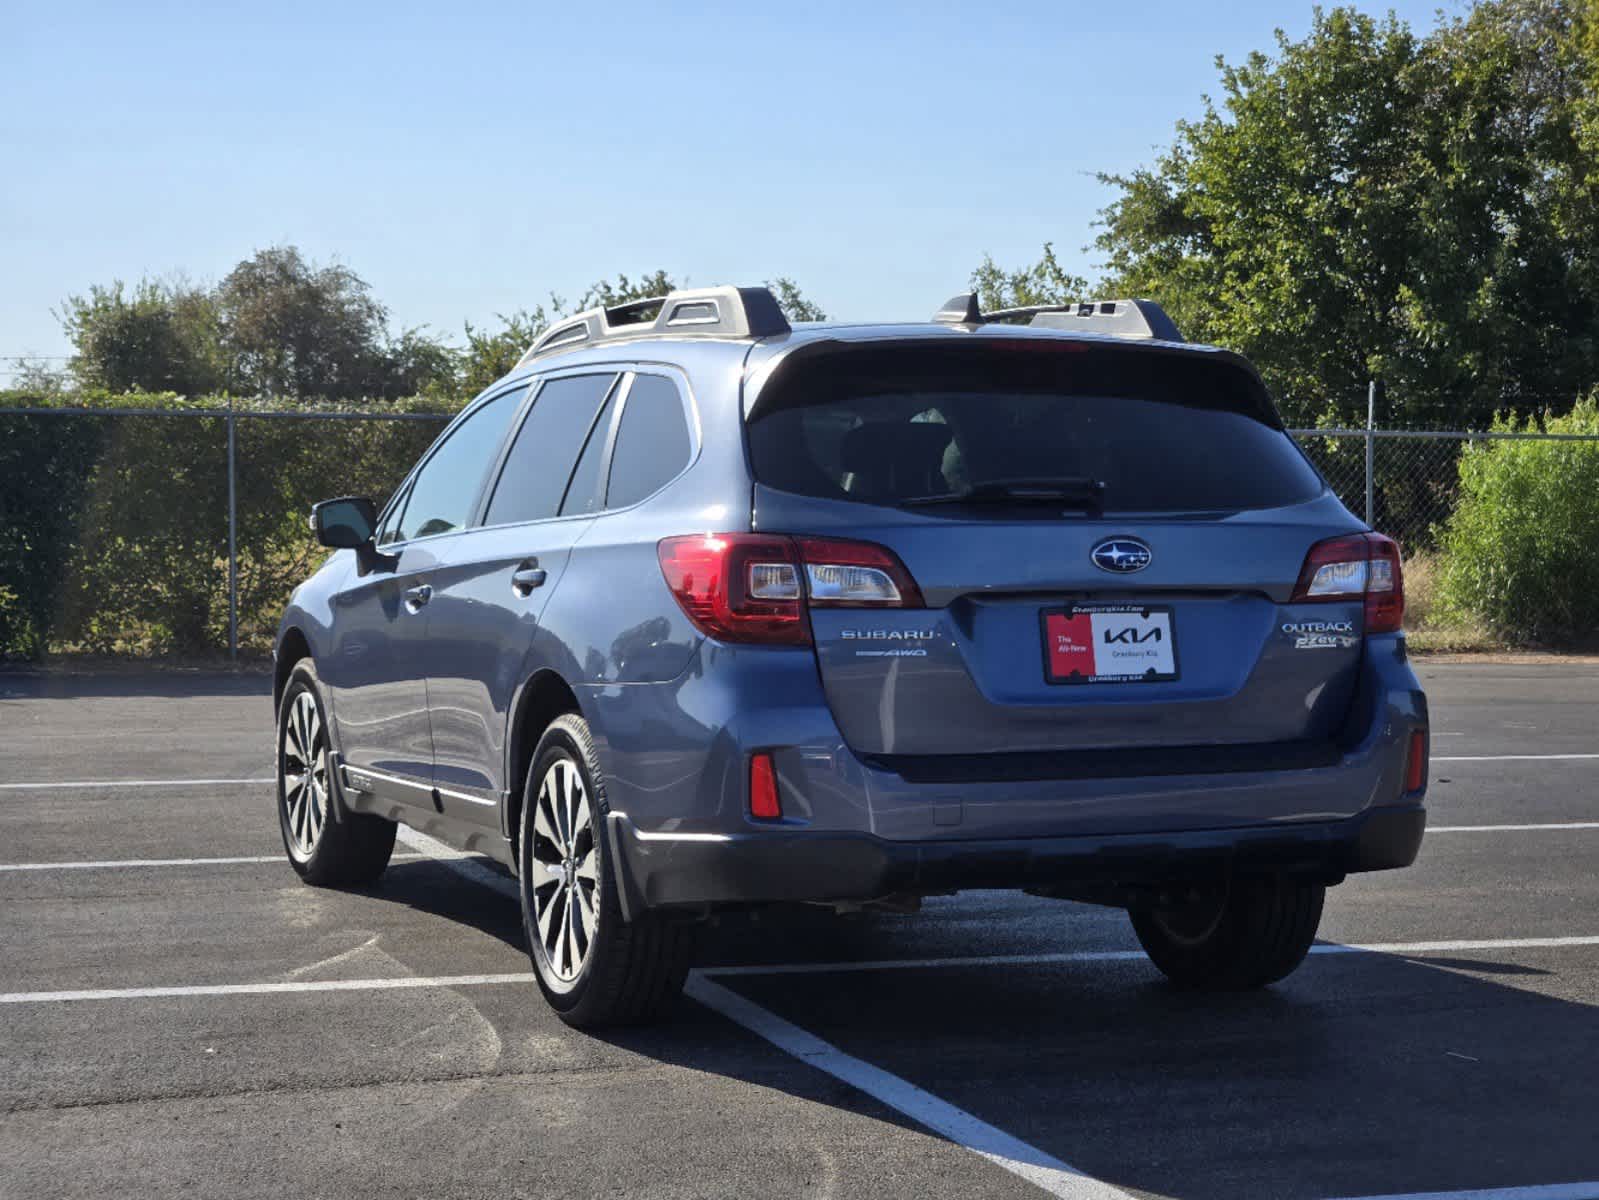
(629, 972)
(1254, 935)
(343, 848)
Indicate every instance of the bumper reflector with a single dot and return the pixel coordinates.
(1416, 762)
(764, 802)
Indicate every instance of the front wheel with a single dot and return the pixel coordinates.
(1253, 934)
(328, 844)
(594, 968)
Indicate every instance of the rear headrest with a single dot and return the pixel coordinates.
(915, 445)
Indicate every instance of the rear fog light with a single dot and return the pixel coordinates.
(1416, 762)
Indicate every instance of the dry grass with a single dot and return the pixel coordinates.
(1428, 630)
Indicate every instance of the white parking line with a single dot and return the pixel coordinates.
(424, 846)
(118, 864)
(1054, 1176)
(956, 1124)
(1556, 1191)
(267, 989)
(129, 783)
(1010, 1153)
(1099, 956)
(816, 968)
(462, 864)
(1457, 758)
(1535, 827)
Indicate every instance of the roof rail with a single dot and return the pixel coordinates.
(1118, 318)
(728, 312)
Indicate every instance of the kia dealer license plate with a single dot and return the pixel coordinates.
(1109, 643)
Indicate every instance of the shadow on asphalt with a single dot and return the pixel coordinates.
(1362, 1074)
(783, 934)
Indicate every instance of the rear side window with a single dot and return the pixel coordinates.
(652, 444)
(541, 458)
(583, 494)
(1162, 432)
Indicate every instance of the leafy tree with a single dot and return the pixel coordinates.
(793, 302)
(295, 329)
(279, 325)
(489, 354)
(35, 376)
(155, 337)
(415, 364)
(605, 294)
(1043, 282)
(1369, 203)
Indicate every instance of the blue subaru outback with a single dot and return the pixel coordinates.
(698, 610)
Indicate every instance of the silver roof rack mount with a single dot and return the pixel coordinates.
(1117, 318)
(725, 312)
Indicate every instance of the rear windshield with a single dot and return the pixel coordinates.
(1160, 432)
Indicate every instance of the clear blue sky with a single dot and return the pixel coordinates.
(468, 158)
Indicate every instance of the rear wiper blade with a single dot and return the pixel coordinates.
(1073, 491)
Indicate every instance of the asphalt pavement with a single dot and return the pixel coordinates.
(179, 1015)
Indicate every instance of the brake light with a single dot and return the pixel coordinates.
(753, 587)
(738, 587)
(764, 801)
(1361, 566)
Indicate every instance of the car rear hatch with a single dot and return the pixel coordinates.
(1106, 541)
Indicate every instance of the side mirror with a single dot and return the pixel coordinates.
(346, 523)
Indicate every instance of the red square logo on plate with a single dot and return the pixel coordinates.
(1069, 642)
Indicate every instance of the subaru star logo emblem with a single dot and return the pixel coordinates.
(1121, 555)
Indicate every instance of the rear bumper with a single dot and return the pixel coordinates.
(664, 870)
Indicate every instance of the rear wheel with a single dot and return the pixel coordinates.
(328, 845)
(594, 968)
(1253, 934)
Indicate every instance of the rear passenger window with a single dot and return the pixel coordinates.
(540, 462)
(652, 444)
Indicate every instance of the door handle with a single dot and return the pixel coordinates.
(527, 577)
(416, 598)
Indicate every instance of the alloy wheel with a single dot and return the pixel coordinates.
(564, 870)
(303, 763)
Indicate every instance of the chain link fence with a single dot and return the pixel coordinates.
(182, 529)
(1404, 482)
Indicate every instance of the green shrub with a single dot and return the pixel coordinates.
(1522, 546)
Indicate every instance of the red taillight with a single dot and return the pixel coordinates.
(751, 587)
(1416, 762)
(764, 801)
(738, 587)
(1361, 566)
